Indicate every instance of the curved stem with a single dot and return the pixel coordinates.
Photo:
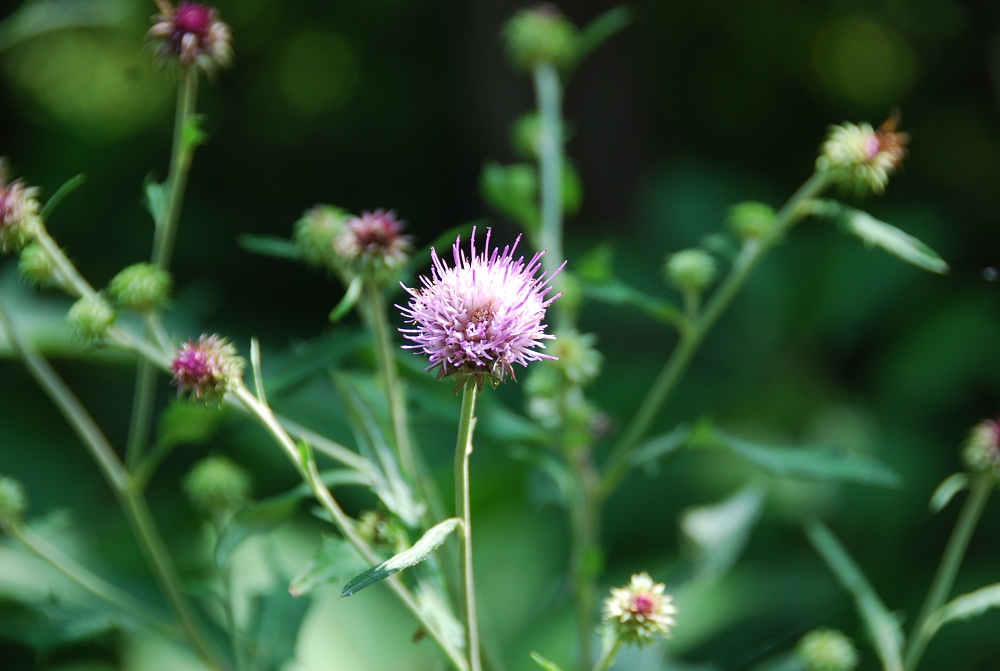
(463, 449)
(944, 579)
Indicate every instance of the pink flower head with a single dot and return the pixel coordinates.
(640, 611)
(18, 211)
(192, 35)
(373, 244)
(482, 315)
(207, 368)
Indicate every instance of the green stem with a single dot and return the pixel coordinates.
(71, 280)
(463, 449)
(751, 254)
(180, 164)
(944, 579)
(585, 521)
(548, 94)
(608, 656)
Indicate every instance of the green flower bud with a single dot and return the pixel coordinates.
(217, 486)
(982, 449)
(576, 357)
(752, 220)
(13, 502)
(539, 35)
(35, 265)
(315, 232)
(690, 270)
(90, 317)
(827, 650)
(141, 286)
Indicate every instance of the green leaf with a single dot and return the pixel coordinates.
(599, 31)
(821, 463)
(257, 518)
(719, 532)
(544, 663)
(946, 491)
(883, 627)
(616, 292)
(270, 245)
(968, 605)
(512, 189)
(274, 629)
(420, 550)
(193, 134)
(880, 234)
(184, 423)
(335, 560)
(572, 189)
(68, 187)
(660, 446)
(349, 300)
(156, 199)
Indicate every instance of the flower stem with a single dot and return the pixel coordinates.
(944, 579)
(463, 449)
(548, 94)
(751, 254)
(585, 523)
(608, 656)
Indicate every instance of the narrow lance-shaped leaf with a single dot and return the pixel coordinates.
(420, 550)
(270, 245)
(968, 605)
(546, 664)
(946, 491)
(882, 627)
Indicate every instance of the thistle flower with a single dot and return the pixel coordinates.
(192, 35)
(18, 212)
(640, 611)
(827, 650)
(207, 368)
(862, 158)
(481, 316)
(982, 449)
(373, 246)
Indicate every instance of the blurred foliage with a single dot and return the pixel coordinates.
(398, 104)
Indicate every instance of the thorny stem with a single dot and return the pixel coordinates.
(751, 254)
(944, 579)
(463, 449)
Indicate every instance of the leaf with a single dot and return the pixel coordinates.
(599, 31)
(946, 491)
(420, 550)
(334, 560)
(882, 627)
(660, 446)
(821, 463)
(512, 189)
(270, 245)
(616, 292)
(349, 300)
(257, 518)
(183, 423)
(880, 234)
(968, 605)
(193, 134)
(68, 187)
(274, 629)
(156, 199)
(544, 663)
(719, 532)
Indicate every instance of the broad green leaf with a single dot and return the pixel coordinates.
(430, 541)
(68, 187)
(546, 664)
(257, 518)
(946, 491)
(274, 629)
(811, 463)
(270, 245)
(719, 532)
(968, 605)
(512, 189)
(335, 560)
(880, 234)
(156, 199)
(882, 626)
(660, 446)
(599, 31)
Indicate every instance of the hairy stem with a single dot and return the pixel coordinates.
(463, 449)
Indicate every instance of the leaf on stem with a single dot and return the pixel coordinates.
(270, 245)
(420, 550)
(68, 187)
(599, 31)
(156, 199)
(968, 605)
(719, 532)
(274, 629)
(513, 189)
(349, 300)
(335, 560)
(546, 664)
(882, 626)
(821, 463)
(946, 491)
(193, 134)
(657, 447)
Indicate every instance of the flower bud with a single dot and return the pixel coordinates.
(13, 502)
(982, 449)
(525, 134)
(35, 265)
(208, 368)
(141, 286)
(190, 35)
(372, 246)
(315, 232)
(217, 486)
(640, 611)
(576, 356)
(827, 650)
(19, 218)
(690, 270)
(540, 35)
(752, 220)
(861, 158)
(90, 317)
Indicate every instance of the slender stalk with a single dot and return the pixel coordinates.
(463, 449)
(548, 94)
(608, 656)
(944, 579)
(585, 523)
(750, 256)
(71, 280)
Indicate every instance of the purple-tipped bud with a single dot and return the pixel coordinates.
(373, 245)
(208, 368)
(191, 35)
(482, 315)
(640, 611)
(982, 449)
(18, 212)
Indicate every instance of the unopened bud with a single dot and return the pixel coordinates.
(690, 270)
(90, 317)
(540, 35)
(982, 449)
(827, 650)
(35, 265)
(315, 232)
(751, 220)
(216, 485)
(141, 286)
